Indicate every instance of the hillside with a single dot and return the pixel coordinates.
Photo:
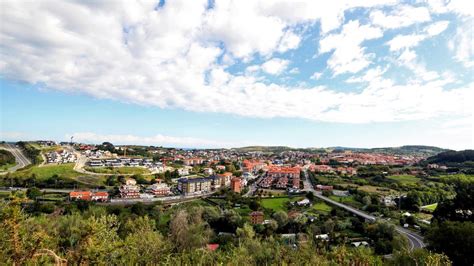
(263, 149)
(418, 150)
(452, 157)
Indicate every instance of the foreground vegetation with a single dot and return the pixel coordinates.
(85, 234)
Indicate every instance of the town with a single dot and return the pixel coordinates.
(304, 187)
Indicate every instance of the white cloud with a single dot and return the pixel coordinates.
(436, 28)
(402, 16)
(349, 56)
(405, 41)
(294, 70)
(462, 44)
(316, 75)
(400, 42)
(275, 66)
(370, 75)
(169, 58)
(156, 140)
(289, 41)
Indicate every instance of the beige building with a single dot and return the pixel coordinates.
(194, 185)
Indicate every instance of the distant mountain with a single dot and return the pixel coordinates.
(263, 149)
(452, 157)
(418, 150)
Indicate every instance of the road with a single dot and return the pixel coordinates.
(20, 158)
(50, 190)
(415, 240)
(253, 187)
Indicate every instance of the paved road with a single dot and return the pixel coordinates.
(253, 187)
(51, 190)
(168, 199)
(415, 240)
(20, 158)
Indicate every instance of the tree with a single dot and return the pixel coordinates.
(245, 232)
(366, 200)
(455, 239)
(33, 193)
(310, 195)
(281, 218)
(419, 257)
(188, 231)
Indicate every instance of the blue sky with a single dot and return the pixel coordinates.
(359, 74)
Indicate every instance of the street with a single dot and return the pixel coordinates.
(20, 158)
(415, 240)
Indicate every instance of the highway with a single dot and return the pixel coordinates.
(20, 158)
(415, 240)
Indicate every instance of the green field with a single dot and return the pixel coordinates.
(45, 172)
(275, 204)
(347, 200)
(430, 207)
(118, 170)
(404, 179)
(322, 207)
(461, 177)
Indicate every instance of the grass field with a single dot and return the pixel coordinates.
(63, 170)
(462, 177)
(430, 207)
(276, 204)
(348, 200)
(322, 207)
(404, 179)
(118, 170)
(378, 190)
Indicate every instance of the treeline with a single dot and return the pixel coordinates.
(54, 181)
(6, 157)
(452, 157)
(452, 229)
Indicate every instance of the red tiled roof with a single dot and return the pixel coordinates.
(101, 194)
(80, 194)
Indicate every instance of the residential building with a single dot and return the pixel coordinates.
(236, 184)
(100, 196)
(193, 161)
(194, 185)
(225, 178)
(281, 171)
(159, 189)
(130, 190)
(89, 196)
(80, 195)
(208, 171)
(256, 217)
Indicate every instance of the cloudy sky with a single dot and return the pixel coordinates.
(359, 73)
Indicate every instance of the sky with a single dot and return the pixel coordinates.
(210, 74)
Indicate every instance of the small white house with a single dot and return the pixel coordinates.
(303, 202)
(324, 237)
